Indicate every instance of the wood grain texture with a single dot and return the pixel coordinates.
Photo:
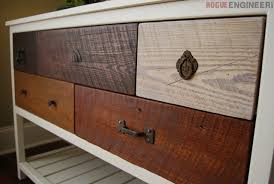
(106, 56)
(228, 51)
(191, 146)
(40, 91)
(27, 42)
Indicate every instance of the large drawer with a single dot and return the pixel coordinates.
(190, 146)
(50, 99)
(101, 56)
(223, 79)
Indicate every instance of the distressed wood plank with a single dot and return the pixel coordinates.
(228, 51)
(55, 158)
(100, 56)
(28, 43)
(39, 91)
(75, 171)
(190, 145)
(93, 176)
(64, 164)
(118, 178)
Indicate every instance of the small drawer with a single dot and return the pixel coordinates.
(207, 64)
(177, 143)
(25, 52)
(102, 57)
(50, 99)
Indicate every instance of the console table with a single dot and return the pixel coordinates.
(146, 91)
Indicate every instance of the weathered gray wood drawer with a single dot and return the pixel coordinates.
(228, 53)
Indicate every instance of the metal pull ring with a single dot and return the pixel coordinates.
(20, 56)
(187, 65)
(148, 133)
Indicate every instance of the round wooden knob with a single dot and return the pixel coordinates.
(187, 65)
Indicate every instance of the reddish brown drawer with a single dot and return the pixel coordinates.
(50, 99)
(190, 146)
(101, 56)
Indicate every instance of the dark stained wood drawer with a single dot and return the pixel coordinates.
(190, 146)
(101, 56)
(25, 52)
(227, 50)
(50, 99)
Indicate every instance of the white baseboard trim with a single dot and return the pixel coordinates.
(34, 136)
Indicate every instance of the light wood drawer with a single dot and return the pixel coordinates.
(50, 99)
(228, 52)
(190, 146)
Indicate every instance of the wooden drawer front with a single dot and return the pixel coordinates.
(190, 146)
(228, 52)
(102, 56)
(25, 52)
(38, 94)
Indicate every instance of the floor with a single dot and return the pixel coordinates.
(8, 169)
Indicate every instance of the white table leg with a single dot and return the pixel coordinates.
(19, 143)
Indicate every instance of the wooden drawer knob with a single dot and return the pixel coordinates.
(23, 92)
(148, 133)
(187, 65)
(52, 103)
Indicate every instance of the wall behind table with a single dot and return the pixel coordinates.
(9, 10)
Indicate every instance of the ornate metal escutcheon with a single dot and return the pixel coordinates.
(187, 65)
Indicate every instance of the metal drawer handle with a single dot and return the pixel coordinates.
(52, 103)
(187, 65)
(77, 58)
(20, 56)
(148, 134)
(23, 92)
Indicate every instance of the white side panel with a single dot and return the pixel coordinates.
(263, 145)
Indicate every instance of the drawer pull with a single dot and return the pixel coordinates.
(23, 92)
(148, 133)
(187, 65)
(77, 56)
(20, 56)
(52, 103)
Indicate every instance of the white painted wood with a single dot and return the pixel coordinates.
(263, 144)
(36, 157)
(35, 176)
(122, 164)
(118, 178)
(63, 164)
(102, 6)
(135, 181)
(154, 12)
(78, 170)
(7, 144)
(19, 143)
(228, 52)
(18, 121)
(55, 158)
(94, 175)
(94, 170)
